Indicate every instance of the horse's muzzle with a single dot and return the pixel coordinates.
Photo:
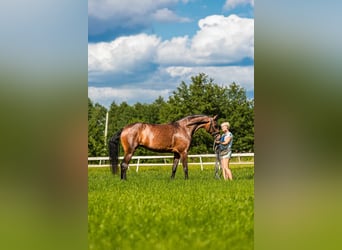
(214, 134)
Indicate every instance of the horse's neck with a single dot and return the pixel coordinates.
(196, 125)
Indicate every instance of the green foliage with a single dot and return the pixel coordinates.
(201, 96)
(240, 114)
(149, 211)
(96, 128)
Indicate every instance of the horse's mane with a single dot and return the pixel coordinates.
(174, 122)
(194, 116)
(191, 117)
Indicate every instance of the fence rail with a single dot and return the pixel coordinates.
(102, 160)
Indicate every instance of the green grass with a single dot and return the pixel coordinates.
(149, 211)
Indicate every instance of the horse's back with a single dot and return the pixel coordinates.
(157, 137)
(139, 128)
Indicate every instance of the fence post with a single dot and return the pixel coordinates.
(138, 165)
(201, 162)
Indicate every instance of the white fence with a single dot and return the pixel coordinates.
(101, 160)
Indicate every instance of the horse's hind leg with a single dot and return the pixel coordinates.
(175, 164)
(124, 165)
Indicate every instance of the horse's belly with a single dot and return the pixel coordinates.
(152, 143)
(162, 147)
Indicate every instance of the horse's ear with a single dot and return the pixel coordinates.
(215, 117)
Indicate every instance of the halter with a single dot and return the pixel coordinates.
(211, 128)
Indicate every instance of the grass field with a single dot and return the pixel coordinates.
(149, 211)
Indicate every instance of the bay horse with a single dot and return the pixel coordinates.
(174, 137)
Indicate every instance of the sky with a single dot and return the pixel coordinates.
(139, 50)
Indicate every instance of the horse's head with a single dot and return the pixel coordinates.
(211, 126)
(203, 121)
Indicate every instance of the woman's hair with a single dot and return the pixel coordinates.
(225, 124)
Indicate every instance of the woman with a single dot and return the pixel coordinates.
(226, 142)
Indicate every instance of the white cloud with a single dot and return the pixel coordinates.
(123, 55)
(224, 39)
(106, 95)
(220, 40)
(106, 9)
(231, 4)
(243, 75)
(106, 15)
(175, 51)
(166, 15)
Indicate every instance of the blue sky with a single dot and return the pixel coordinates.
(139, 50)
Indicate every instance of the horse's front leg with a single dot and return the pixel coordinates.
(185, 165)
(175, 164)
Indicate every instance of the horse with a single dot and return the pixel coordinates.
(174, 137)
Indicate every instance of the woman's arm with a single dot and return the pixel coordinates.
(227, 139)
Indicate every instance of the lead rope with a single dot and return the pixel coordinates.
(217, 161)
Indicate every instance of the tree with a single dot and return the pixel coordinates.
(240, 113)
(120, 116)
(154, 110)
(178, 104)
(96, 129)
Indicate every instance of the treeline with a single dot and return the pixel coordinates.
(201, 96)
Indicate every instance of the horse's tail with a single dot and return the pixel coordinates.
(114, 147)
